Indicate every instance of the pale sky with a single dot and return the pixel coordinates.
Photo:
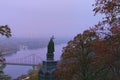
(43, 18)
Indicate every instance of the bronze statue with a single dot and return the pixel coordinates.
(49, 66)
(51, 45)
(50, 49)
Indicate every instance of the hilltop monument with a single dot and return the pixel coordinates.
(50, 49)
(48, 66)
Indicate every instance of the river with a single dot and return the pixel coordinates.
(17, 70)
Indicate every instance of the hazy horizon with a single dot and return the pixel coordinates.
(43, 18)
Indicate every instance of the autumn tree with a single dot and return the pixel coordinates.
(110, 9)
(109, 48)
(103, 40)
(110, 28)
(79, 62)
(4, 31)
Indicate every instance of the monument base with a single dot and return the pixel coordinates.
(47, 70)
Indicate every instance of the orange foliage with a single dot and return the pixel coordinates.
(103, 41)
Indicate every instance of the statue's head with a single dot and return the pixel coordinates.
(52, 37)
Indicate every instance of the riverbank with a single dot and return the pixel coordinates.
(31, 75)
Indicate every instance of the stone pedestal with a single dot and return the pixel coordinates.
(47, 71)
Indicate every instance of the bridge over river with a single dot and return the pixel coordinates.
(30, 60)
(21, 62)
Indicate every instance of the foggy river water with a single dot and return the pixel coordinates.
(16, 70)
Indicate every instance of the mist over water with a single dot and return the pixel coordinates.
(17, 70)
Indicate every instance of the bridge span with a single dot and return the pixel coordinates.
(30, 60)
